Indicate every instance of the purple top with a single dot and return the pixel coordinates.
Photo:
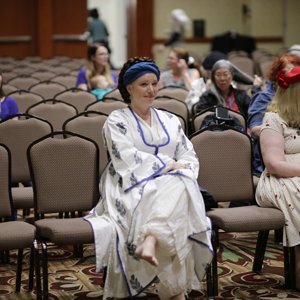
(8, 108)
(81, 78)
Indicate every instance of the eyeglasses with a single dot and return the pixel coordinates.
(222, 75)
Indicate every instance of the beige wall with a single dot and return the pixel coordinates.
(268, 18)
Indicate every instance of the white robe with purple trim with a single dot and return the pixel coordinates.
(139, 197)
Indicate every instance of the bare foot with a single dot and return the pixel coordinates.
(178, 297)
(146, 250)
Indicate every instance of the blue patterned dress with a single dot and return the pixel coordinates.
(140, 197)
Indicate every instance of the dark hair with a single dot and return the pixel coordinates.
(2, 94)
(280, 63)
(92, 49)
(94, 13)
(130, 62)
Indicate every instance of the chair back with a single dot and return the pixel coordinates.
(197, 119)
(173, 92)
(173, 105)
(23, 82)
(25, 99)
(5, 194)
(48, 89)
(43, 74)
(64, 172)
(245, 64)
(17, 134)
(54, 111)
(106, 107)
(68, 80)
(8, 88)
(225, 157)
(90, 124)
(77, 97)
(114, 94)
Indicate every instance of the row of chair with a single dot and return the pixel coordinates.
(228, 177)
(65, 176)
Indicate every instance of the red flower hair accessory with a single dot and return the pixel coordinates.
(284, 79)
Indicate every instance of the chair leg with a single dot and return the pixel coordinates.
(31, 269)
(39, 295)
(260, 250)
(45, 271)
(289, 268)
(19, 270)
(212, 271)
(278, 234)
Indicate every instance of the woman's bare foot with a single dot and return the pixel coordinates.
(146, 250)
(178, 297)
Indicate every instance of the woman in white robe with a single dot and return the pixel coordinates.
(150, 221)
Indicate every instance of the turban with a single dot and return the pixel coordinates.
(138, 70)
(284, 79)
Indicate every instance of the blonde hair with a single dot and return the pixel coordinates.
(286, 102)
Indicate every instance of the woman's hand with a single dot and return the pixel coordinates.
(176, 166)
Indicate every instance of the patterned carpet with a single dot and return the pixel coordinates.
(76, 279)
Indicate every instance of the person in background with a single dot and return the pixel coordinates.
(180, 22)
(97, 29)
(150, 222)
(8, 105)
(100, 86)
(222, 92)
(261, 100)
(279, 184)
(98, 64)
(178, 72)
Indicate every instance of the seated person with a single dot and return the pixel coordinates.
(97, 64)
(222, 91)
(262, 99)
(100, 86)
(279, 184)
(150, 222)
(179, 73)
(8, 105)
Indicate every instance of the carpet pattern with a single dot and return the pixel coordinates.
(76, 279)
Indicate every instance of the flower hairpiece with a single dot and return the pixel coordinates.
(285, 78)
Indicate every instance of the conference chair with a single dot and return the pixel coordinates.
(65, 178)
(23, 82)
(173, 105)
(25, 99)
(17, 133)
(173, 92)
(8, 88)
(48, 89)
(77, 97)
(106, 107)
(13, 234)
(225, 156)
(43, 74)
(90, 124)
(114, 94)
(66, 79)
(53, 110)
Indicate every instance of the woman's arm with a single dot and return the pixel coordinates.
(272, 149)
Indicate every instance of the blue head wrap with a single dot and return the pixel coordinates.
(138, 70)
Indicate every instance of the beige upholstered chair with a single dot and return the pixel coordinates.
(48, 89)
(77, 97)
(65, 177)
(114, 94)
(225, 158)
(23, 82)
(8, 88)
(173, 105)
(13, 234)
(173, 92)
(17, 134)
(25, 99)
(199, 117)
(106, 107)
(54, 111)
(90, 124)
(43, 74)
(68, 80)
